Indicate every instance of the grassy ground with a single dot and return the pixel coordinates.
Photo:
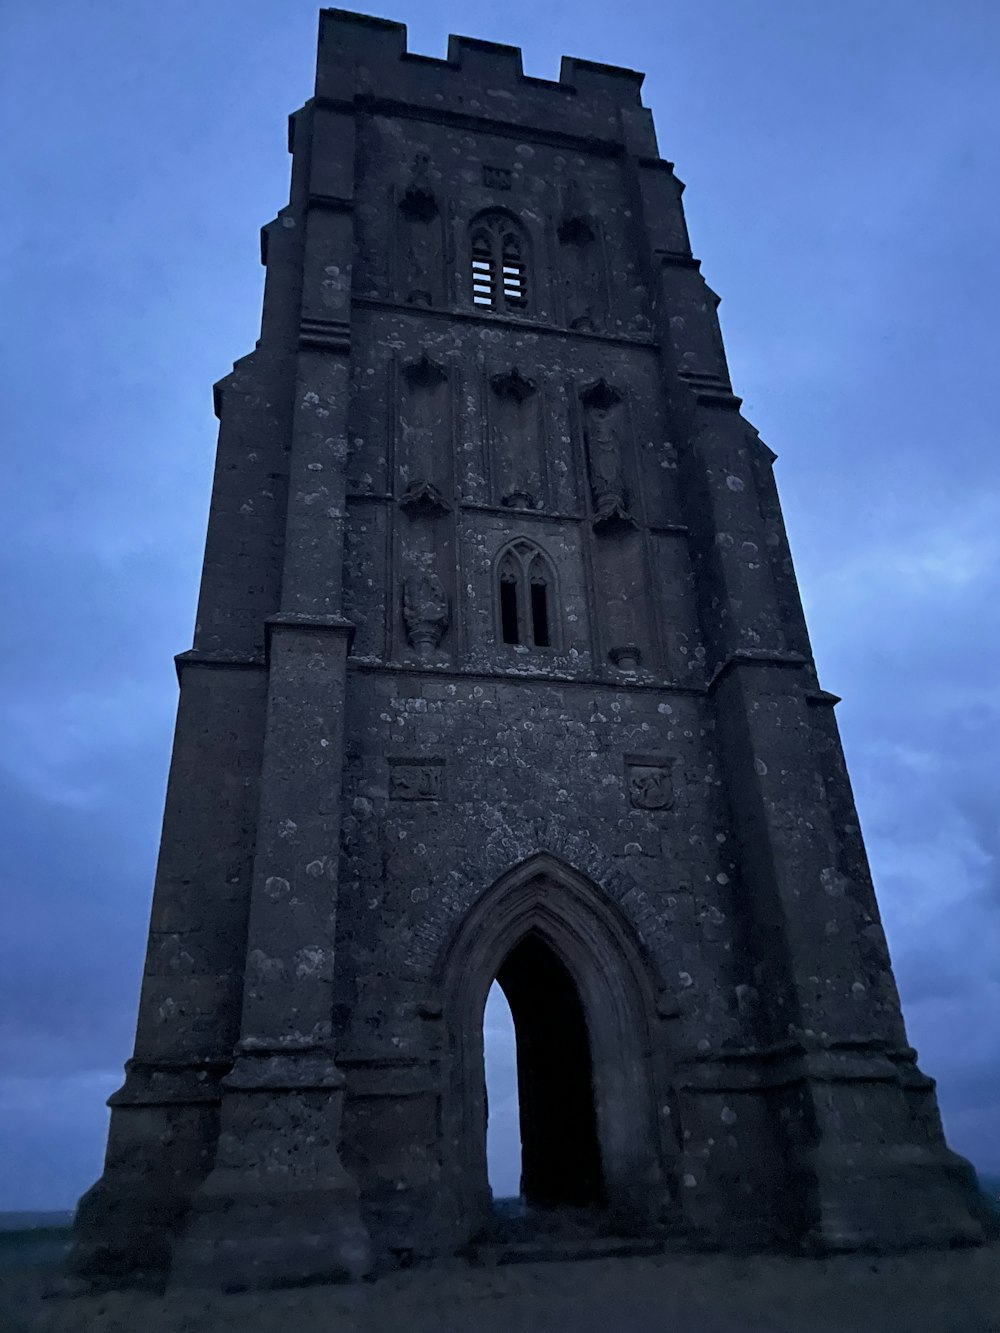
(31, 1260)
(924, 1292)
(930, 1292)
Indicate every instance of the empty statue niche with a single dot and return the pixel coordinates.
(516, 440)
(623, 604)
(560, 1166)
(526, 597)
(425, 438)
(581, 262)
(420, 238)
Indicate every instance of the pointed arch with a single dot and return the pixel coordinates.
(546, 899)
(526, 595)
(499, 262)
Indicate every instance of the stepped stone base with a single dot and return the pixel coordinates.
(522, 1234)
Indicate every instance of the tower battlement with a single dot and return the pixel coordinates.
(366, 58)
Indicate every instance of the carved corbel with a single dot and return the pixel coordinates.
(519, 500)
(425, 611)
(626, 657)
(422, 372)
(513, 385)
(422, 499)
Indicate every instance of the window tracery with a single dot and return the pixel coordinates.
(526, 596)
(499, 267)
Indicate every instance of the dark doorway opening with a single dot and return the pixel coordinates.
(560, 1149)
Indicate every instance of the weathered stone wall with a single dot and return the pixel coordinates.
(520, 768)
(526, 766)
(630, 586)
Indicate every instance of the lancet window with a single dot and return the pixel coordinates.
(526, 597)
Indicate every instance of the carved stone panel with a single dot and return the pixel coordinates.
(649, 782)
(415, 780)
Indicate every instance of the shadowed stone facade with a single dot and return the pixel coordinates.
(500, 671)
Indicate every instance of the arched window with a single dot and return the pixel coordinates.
(499, 263)
(526, 597)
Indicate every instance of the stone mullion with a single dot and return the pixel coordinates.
(525, 625)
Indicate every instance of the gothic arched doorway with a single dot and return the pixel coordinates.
(591, 1068)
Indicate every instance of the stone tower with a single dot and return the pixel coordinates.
(501, 672)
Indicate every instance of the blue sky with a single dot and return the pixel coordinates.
(842, 164)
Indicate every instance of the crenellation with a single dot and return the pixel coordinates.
(612, 81)
(485, 62)
(479, 80)
(342, 32)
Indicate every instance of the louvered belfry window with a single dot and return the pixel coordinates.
(499, 267)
